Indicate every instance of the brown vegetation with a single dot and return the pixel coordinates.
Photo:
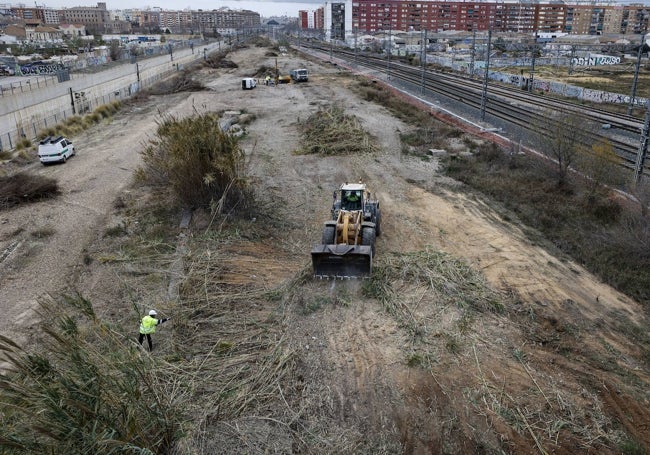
(331, 131)
(26, 187)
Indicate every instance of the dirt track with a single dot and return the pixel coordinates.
(505, 377)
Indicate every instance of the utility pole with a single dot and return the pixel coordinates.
(532, 67)
(636, 78)
(485, 77)
(643, 147)
(423, 61)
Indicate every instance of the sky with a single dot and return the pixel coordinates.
(266, 8)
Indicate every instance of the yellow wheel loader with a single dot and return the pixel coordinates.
(348, 242)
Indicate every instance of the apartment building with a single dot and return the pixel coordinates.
(28, 14)
(529, 17)
(94, 17)
(311, 19)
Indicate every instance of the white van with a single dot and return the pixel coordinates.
(248, 83)
(55, 149)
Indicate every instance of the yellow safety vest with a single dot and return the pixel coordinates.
(148, 325)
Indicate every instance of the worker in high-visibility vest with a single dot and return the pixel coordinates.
(148, 326)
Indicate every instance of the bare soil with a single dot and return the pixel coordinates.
(559, 371)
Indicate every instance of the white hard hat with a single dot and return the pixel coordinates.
(152, 313)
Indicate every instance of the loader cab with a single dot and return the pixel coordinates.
(351, 199)
(350, 196)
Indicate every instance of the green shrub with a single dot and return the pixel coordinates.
(202, 165)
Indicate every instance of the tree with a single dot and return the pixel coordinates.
(114, 50)
(561, 136)
(601, 165)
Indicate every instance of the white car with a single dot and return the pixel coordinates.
(55, 150)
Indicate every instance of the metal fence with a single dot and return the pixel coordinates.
(33, 83)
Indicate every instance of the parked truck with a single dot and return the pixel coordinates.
(299, 75)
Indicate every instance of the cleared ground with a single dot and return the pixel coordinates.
(432, 369)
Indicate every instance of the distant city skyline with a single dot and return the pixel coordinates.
(265, 8)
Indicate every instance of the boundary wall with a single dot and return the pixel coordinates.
(543, 85)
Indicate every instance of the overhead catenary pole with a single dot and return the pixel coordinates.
(643, 147)
(356, 30)
(471, 62)
(532, 66)
(423, 61)
(331, 44)
(636, 78)
(485, 77)
(390, 26)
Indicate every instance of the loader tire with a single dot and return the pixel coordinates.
(378, 224)
(328, 235)
(368, 238)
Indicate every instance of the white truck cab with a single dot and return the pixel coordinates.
(299, 75)
(55, 149)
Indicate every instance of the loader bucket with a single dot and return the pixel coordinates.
(342, 261)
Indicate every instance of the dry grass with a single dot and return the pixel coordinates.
(330, 131)
(86, 390)
(598, 230)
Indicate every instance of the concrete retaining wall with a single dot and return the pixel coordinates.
(23, 115)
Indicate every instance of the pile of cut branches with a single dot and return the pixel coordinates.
(183, 82)
(330, 131)
(452, 281)
(22, 187)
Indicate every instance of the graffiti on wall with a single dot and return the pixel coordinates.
(596, 60)
(38, 68)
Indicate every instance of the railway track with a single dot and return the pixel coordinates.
(521, 110)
